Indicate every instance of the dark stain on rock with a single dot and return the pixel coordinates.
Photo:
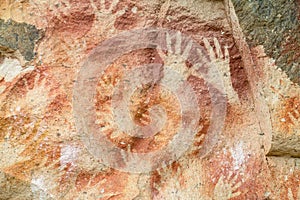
(275, 25)
(18, 36)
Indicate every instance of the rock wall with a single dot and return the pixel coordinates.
(162, 99)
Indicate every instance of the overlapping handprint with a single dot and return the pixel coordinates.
(28, 144)
(172, 76)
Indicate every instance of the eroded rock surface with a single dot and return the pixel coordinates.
(226, 57)
(275, 25)
(20, 37)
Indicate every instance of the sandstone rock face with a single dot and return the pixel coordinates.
(162, 99)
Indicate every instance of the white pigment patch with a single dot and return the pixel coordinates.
(2, 88)
(9, 69)
(238, 155)
(68, 154)
(134, 10)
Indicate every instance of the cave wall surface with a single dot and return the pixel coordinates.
(162, 99)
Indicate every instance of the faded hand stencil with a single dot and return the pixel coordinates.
(175, 57)
(23, 128)
(227, 187)
(221, 60)
(38, 132)
(105, 17)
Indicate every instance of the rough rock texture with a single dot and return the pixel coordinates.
(276, 26)
(18, 36)
(255, 155)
